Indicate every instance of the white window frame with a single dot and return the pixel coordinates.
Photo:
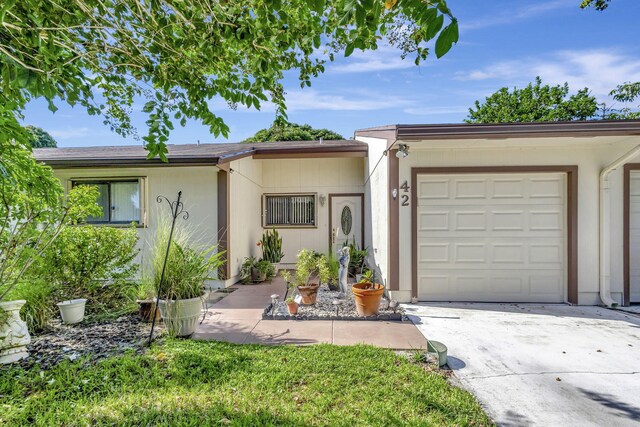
(142, 183)
(307, 194)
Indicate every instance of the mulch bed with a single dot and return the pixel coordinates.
(324, 309)
(95, 341)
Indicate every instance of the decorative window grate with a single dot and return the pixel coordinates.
(290, 210)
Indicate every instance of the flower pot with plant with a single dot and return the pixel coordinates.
(367, 295)
(357, 260)
(33, 199)
(292, 305)
(187, 269)
(146, 301)
(271, 244)
(311, 269)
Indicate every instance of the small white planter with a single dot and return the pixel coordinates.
(72, 311)
(181, 316)
(14, 335)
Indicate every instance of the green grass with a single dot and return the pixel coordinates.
(191, 383)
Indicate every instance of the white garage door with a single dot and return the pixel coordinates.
(634, 236)
(492, 237)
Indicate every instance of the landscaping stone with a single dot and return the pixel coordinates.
(96, 340)
(324, 309)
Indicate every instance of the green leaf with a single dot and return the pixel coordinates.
(349, 49)
(446, 39)
(435, 26)
(148, 107)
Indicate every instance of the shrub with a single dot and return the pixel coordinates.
(97, 263)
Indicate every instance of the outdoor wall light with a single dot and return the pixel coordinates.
(322, 198)
(394, 193)
(403, 151)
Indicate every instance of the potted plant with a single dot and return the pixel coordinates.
(310, 271)
(33, 199)
(249, 264)
(367, 295)
(187, 269)
(146, 301)
(292, 305)
(271, 244)
(357, 260)
(264, 270)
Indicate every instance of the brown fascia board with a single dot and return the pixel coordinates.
(518, 130)
(129, 162)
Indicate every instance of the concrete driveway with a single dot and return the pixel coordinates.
(547, 365)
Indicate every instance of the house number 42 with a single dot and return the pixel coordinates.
(404, 198)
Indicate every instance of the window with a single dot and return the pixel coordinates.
(290, 210)
(121, 201)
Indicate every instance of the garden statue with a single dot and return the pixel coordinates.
(14, 335)
(343, 273)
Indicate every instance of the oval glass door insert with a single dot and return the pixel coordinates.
(346, 220)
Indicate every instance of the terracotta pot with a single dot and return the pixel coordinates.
(367, 300)
(14, 335)
(308, 294)
(292, 307)
(146, 310)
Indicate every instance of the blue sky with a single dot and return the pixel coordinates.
(502, 43)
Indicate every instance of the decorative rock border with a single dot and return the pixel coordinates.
(267, 315)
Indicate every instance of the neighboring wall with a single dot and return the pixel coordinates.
(591, 155)
(199, 194)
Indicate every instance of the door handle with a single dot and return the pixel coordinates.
(334, 232)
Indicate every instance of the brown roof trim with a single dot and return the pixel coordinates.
(506, 130)
(129, 162)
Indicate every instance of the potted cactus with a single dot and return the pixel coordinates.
(292, 305)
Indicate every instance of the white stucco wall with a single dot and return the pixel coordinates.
(377, 205)
(589, 154)
(254, 177)
(199, 195)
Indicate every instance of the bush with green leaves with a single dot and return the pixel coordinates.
(188, 265)
(309, 267)
(97, 263)
(33, 211)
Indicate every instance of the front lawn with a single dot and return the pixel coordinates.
(191, 383)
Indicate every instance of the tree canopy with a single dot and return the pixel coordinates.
(104, 55)
(292, 132)
(534, 103)
(598, 4)
(40, 138)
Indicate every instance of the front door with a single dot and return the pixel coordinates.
(346, 220)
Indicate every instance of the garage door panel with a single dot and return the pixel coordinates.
(491, 237)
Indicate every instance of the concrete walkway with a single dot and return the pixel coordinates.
(238, 318)
(546, 365)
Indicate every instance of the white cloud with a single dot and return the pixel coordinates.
(599, 70)
(69, 133)
(312, 99)
(385, 58)
(515, 15)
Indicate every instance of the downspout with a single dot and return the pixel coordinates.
(605, 238)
